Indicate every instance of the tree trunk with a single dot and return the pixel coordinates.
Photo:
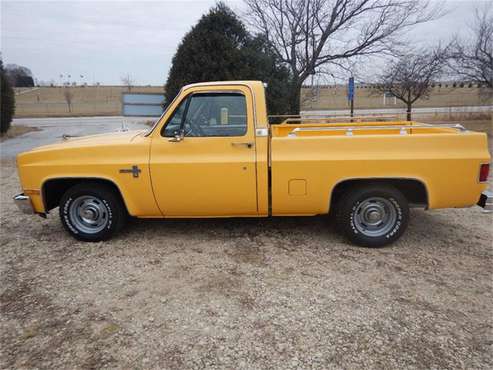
(294, 97)
(408, 113)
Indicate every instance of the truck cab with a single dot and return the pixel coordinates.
(209, 155)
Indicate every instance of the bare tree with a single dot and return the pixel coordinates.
(308, 34)
(411, 76)
(128, 82)
(68, 95)
(472, 59)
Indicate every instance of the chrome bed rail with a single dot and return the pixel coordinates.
(327, 118)
(403, 129)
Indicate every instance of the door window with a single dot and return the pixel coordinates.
(173, 125)
(209, 115)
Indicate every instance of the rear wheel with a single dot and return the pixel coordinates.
(92, 212)
(373, 215)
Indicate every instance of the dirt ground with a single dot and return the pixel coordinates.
(277, 293)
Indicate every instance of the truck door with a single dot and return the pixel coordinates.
(203, 159)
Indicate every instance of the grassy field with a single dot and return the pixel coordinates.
(334, 97)
(86, 101)
(106, 100)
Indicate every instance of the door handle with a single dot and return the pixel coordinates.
(248, 144)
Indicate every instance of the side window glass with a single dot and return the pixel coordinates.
(174, 122)
(216, 114)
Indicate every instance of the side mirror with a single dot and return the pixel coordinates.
(179, 135)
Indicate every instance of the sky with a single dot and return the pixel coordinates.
(106, 40)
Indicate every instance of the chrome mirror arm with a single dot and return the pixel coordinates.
(177, 138)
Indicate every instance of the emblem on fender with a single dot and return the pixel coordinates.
(135, 170)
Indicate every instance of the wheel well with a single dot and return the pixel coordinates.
(413, 190)
(53, 190)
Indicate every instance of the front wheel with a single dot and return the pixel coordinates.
(92, 212)
(372, 216)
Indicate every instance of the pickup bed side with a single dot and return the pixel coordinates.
(306, 169)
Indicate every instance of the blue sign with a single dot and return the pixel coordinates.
(350, 89)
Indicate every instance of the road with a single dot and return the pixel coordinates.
(52, 130)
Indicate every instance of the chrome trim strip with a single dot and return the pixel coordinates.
(23, 202)
(218, 92)
(184, 89)
(309, 118)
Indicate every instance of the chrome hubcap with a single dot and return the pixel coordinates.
(89, 214)
(375, 216)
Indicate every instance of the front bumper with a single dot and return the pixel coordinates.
(23, 202)
(486, 201)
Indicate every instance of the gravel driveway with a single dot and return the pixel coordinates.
(244, 293)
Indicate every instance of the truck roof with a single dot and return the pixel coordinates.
(249, 83)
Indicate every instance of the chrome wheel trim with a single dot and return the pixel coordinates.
(375, 216)
(88, 214)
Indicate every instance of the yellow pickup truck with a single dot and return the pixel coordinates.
(213, 154)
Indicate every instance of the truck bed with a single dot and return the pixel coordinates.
(309, 160)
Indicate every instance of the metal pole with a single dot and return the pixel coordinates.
(351, 96)
(352, 107)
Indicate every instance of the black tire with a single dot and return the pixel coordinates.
(104, 210)
(356, 206)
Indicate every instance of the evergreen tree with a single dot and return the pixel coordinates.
(7, 101)
(220, 48)
(19, 76)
